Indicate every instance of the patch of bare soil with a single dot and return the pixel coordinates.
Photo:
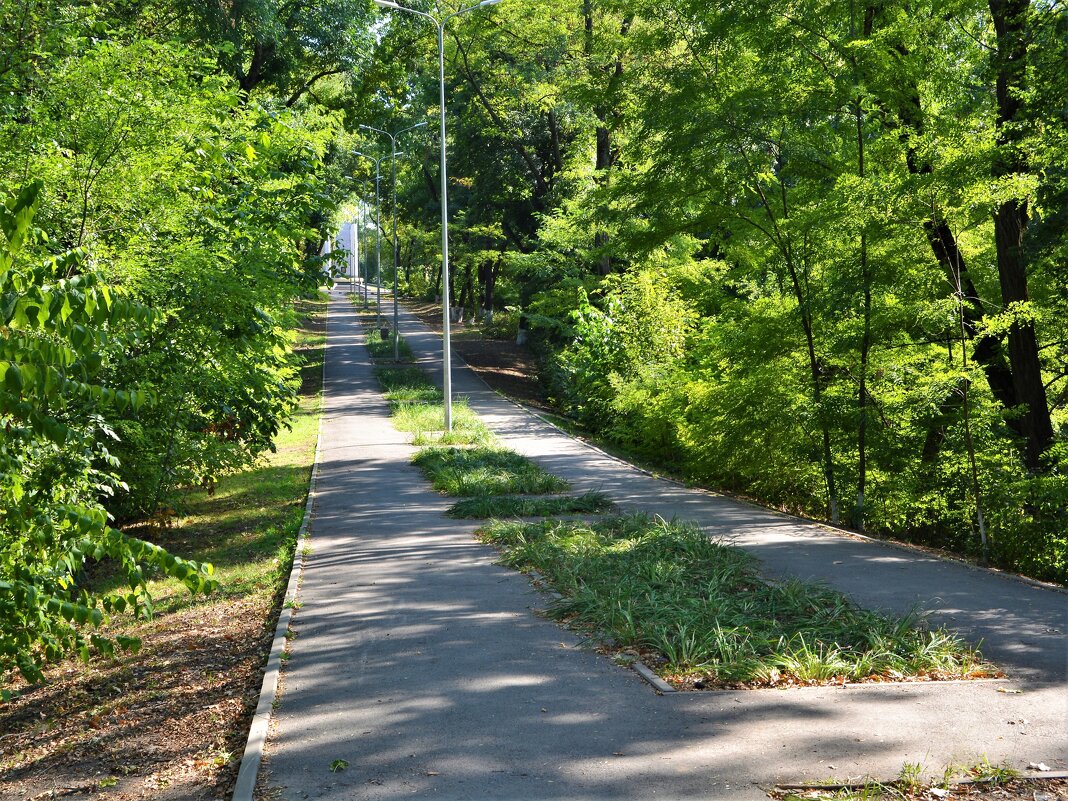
(167, 723)
(507, 367)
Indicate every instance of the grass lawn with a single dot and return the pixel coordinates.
(382, 349)
(485, 470)
(499, 506)
(172, 719)
(700, 614)
(418, 408)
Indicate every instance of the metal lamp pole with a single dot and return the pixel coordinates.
(446, 345)
(396, 250)
(354, 259)
(378, 239)
(361, 271)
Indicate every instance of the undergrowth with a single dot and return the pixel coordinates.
(957, 781)
(485, 470)
(702, 612)
(530, 506)
(382, 348)
(418, 408)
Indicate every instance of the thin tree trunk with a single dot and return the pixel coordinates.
(606, 113)
(865, 340)
(817, 391)
(1010, 227)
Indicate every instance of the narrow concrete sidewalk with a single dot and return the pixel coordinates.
(422, 664)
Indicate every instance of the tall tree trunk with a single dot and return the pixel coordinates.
(487, 276)
(817, 386)
(988, 351)
(1010, 227)
(606, 114)
(786, 250)
(865, 346)
(409, 254)
(866, 281)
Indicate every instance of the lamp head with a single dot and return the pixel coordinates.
(483, 4)
(386, 4)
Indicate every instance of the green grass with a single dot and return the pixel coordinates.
(530, 506)
(358, 301)
(485, 470)
(380, 348)
(407, 384)
(700, 611)
(418, 408)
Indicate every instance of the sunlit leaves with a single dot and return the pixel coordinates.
(51, 523)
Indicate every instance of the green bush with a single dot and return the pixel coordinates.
(55, 465)
(486, 470)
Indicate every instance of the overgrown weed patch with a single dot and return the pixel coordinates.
(700, 613)
(418, 408)
(485, 470)
(382, 348)
(496, 506)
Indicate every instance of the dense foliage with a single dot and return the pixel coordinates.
(165, 204)
(810, 252)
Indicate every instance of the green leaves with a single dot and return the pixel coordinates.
(51, 404)
(143, 325)
(16, 214)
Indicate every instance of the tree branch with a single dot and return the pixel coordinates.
(308, 84)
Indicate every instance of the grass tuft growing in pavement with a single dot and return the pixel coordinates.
(700, 612)
(485, 470)
(527, 506)
(418, 407)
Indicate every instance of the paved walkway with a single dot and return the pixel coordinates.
(420, 663)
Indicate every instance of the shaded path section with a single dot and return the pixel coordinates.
(420, 663)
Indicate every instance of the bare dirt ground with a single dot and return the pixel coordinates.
(165, 723)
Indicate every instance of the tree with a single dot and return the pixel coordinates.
(53, 464)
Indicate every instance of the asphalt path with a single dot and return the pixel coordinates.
(424, 666)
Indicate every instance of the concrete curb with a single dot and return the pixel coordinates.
(257, 735)
(646, 673)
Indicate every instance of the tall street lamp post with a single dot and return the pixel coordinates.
(362, 263)
(378, 237)
(354, 259)
(396, 249)
(446, 345)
